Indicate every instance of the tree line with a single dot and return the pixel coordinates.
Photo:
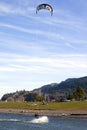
(77, 94)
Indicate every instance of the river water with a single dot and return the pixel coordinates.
(27, 122)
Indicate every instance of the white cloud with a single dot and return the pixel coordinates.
(5, 8)
(32, 31)
(10, 9)
(28, 72)
(18, 63)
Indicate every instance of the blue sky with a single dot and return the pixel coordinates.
(38, 49)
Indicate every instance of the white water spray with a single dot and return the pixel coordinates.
(43, 119)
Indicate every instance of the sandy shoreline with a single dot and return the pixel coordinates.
(64, 113)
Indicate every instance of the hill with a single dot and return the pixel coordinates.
(53, 91)
(65, 86)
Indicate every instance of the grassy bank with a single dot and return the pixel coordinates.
(39, 106)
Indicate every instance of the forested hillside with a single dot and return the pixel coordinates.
(53, 91)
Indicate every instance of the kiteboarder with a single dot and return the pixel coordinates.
(36, 115)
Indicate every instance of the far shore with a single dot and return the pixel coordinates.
(58, 113)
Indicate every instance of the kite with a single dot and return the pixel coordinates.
(44, 6)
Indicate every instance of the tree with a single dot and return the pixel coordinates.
(70, 96)
(79, 93)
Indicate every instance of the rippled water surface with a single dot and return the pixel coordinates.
(26, 122)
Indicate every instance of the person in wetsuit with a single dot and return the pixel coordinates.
(36, 115)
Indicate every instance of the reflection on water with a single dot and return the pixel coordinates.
(26, 122)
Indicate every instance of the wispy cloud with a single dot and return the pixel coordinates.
(56, 41)
(38, 64)
(64, 16)
(17, 28)
(10, 9)
(5, 8)
(32, 31)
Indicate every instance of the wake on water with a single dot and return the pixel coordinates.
(43, 119)
(10, 120)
